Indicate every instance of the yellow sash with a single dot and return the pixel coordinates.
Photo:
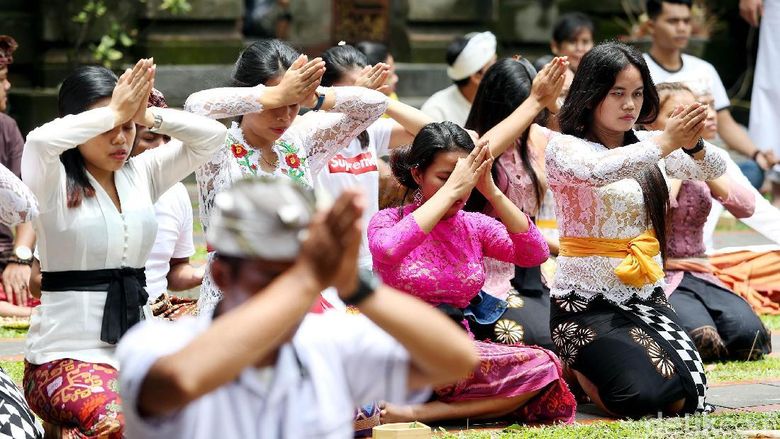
(638, 267)
(547, 223)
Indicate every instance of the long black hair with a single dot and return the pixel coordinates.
(506, 84)
(80, 90)
(339, 60)
(570, 25)
(375, 52)
(432, 139)
(595, 77)
(262, 61)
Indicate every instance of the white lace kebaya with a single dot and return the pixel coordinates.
(596, 196)
(17, 203)
(303, 150)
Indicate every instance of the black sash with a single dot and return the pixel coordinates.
(126, 294)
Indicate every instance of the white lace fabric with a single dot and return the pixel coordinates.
(303, 150)
(596, 196)
(17, 202)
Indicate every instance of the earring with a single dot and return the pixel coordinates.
(417, 198)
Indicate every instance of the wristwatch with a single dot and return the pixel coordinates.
(367, 285)
(698, 147)
(22, 255)
(158, 120)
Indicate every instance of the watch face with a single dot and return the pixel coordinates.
(23, 253)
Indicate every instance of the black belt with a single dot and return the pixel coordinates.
(126, 294)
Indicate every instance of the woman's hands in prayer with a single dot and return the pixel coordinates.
(131, 92)
(684, 127)
(468, 171)
(548, 83)
(299, 83)
(374, 77)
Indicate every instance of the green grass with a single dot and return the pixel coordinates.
(772, 322)
(12, 332)
(725, 425)
(14, 369)
(200, 255)
(767, 367)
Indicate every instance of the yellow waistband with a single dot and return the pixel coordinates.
(638, 267)
(546, 223)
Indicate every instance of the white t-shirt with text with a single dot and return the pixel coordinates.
(699, 75)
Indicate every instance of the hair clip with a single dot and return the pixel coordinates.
(517, 57)
(342, 43)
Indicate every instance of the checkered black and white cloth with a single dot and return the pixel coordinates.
(16, 419)
(682, 344)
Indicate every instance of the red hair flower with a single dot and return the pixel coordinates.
(293, 161)
(238, 150)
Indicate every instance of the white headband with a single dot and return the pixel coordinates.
(478, 51)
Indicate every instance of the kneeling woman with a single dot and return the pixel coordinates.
(721, 323)
(434, 250)
(610, 320)
(95, 230)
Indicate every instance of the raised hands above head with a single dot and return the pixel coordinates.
(299, 83)
(548, 83)
(374, 77)
(128, 101)
(469, 170)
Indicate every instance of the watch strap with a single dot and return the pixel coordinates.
(699, 146)
(367, 285)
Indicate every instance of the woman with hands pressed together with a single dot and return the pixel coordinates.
(611, 323)
(434, 250)
(95, 230)
(271, 83)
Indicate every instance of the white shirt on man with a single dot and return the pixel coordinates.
(448, 104)
(173, 211)
(335, 362)
(699, 75)
(356, 166)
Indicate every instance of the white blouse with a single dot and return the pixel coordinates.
(17, 203)
(96, 235)
(596, 196)
(303, 150)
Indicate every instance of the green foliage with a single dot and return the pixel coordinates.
(771, 322)
(120, 37)
(14, 369)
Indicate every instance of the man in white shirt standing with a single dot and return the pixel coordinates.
(765, 99)
(670, 28)
(468, 58)
(263, 367)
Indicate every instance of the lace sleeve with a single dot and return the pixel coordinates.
(680, 165)
(211, 177)
(224, 102)
(325, 134)
(528, 249)
(391, 238)
(574, 161)
(17, 203)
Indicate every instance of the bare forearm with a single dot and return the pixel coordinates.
(411, 119)
(183, 276)
(440, 351)
(504, 134)
(25, 235)
(734, 135)
(432, 211)
(234, 341)
(512, 217)
(554, 245)
(720, 186)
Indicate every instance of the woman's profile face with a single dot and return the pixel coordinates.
(619, 110)
(108, 151)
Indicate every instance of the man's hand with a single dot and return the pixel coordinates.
(751, 11)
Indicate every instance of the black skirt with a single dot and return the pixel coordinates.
(636, 353)
(722, 324)
(527, 317)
